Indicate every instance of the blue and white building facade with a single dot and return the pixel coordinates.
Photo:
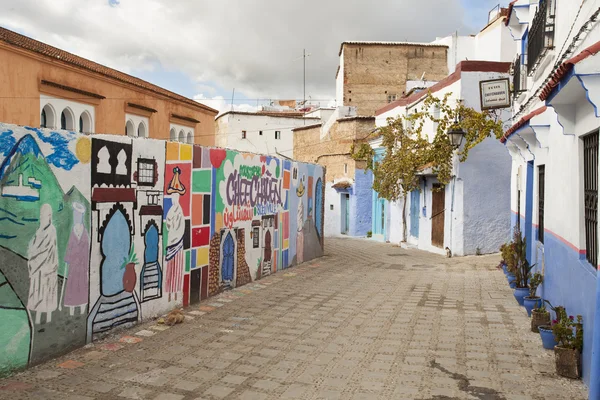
(471, 213)
(553, 142)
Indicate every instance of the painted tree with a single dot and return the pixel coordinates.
(409, 150)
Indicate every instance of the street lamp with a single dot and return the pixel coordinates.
(456, 135)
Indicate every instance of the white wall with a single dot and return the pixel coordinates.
(260, 133)
(181, 133)
(333, 217)
(73, 109)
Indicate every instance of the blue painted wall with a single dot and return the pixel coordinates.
(361, 203)
(528, 227)
(569, 280)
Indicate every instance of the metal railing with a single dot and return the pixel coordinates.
(541, 33)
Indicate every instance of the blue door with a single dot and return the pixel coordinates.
(228, 258)
(151, 275)
(415, 206)
(319, 207)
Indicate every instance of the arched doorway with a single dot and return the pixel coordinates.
(116, 242)
(228, 259)
(151, 275)
(319, 207)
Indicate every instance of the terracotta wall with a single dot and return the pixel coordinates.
(21, 73)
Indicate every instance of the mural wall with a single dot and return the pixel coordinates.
(99, 232)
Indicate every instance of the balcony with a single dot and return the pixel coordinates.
(519, 78)
(541, 33)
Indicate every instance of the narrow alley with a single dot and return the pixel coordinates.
(367, 321)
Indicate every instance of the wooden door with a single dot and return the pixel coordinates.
(438, 205)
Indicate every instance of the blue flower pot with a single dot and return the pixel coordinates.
(531, 303)
(505, 269)
(548, 340)
(520, 294)
(513, 284)
(510, 277)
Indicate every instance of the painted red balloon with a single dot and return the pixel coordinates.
(217, 156)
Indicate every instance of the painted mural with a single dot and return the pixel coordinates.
(99, 232)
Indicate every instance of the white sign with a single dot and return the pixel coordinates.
(495, 94)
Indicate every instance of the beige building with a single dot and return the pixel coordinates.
(48, 87)
(372, 74)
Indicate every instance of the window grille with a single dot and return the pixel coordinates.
(590, 176)
(541, 33)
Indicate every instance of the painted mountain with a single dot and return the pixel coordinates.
(26, 183)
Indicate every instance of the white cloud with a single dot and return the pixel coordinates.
(219, 103)
(254, 46)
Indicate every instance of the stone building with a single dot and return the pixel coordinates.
(48, 87)
(372, 74)
(347, 187)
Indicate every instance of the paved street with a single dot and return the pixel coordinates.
(367, 321)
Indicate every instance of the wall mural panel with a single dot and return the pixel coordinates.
(100, 232)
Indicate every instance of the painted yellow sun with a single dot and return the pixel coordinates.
(83, 149)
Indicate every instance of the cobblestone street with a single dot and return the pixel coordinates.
(367, 321)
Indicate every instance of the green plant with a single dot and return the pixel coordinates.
(517, 261)
(506, 250)
(478, 252)
(541, 308)
(535, 281)
(131, 258)
(409, 150)
(369, 234)
(567, 332)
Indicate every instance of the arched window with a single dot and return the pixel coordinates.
(43, 123)
(85, 122)
(141, 131)
(182, 136)
(190, 137)
(130, 128)
(173, 135)
(67, 120)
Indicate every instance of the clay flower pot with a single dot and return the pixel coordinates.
(568, 362)
(129, 278)
(539, 319)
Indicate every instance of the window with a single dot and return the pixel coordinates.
(541, 34)
(590, 187)
(141, 130)
(85, 122)
(63, 120)
(43, 119)
(541, 195)
(190, 137)
(130, 128)
(243, 134)
(345, 168)
(146, 170)
(80, 125)
(259, 133)
(182, 136)
(67, 120)
(391, 97)
(173, 135)
(277, 134)
(255, 237)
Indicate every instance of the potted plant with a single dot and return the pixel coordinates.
(569, 335)
(548, 340)
(505, 252)
(532, 301)
(129, 276)
(519, 264)
(539, 317)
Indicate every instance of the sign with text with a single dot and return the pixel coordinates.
(494, 94)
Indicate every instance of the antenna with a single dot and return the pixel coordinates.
(423, 76)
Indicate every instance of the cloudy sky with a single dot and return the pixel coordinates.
(204, 49)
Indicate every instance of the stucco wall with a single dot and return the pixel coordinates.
(260, 133)
(371, 72)
(21, 74)
(101, 232)
(361, 203)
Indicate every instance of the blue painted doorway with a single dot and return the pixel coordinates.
(415, 207)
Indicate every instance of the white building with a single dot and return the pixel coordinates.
(554, 147)
(264, 132)
(470, 214)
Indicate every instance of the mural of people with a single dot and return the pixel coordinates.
(174, 256)
(300, 234)
(75, 291)
(43, 268)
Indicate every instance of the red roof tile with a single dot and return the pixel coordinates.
(27, 43)
(522, 122)
(463, 66)
(565, 68)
